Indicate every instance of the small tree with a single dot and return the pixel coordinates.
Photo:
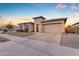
(10, 27)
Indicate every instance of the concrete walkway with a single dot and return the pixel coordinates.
(19, 46)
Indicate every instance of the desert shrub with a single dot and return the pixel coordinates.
(0, 29)
(19, 30)
(26, 30)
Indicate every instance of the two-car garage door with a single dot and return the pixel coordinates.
(52, 28)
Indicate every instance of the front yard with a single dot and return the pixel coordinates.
(21, 34)
(69, 40)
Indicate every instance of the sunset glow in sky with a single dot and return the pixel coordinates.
(23, 12)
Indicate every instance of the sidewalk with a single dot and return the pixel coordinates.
(27, 47)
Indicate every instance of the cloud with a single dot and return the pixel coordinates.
(64, 6)
(74, 7)
(61, 5)
(74, 15)
(77, 14)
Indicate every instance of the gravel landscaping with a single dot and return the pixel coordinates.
(70, 40)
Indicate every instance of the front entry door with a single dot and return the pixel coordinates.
(37, 28)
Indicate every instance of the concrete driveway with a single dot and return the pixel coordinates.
(19, 46)
(46, 37)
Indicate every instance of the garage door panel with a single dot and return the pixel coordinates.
(52, 28)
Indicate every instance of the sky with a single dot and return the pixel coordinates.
(23, 12)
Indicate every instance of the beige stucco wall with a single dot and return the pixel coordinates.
(38, 21)
(52, 28)
(56, 26)
(41, 25)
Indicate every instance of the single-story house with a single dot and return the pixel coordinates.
(42, 24)
(49, 26)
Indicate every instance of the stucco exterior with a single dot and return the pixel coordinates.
(75, 27)
(44, 25)
(50, 26)
(29, 26)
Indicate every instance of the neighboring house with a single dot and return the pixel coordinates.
(70, 29)
(75, 27)
(49, 26)
(28, 26)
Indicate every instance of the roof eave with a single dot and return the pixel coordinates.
(65, 19)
